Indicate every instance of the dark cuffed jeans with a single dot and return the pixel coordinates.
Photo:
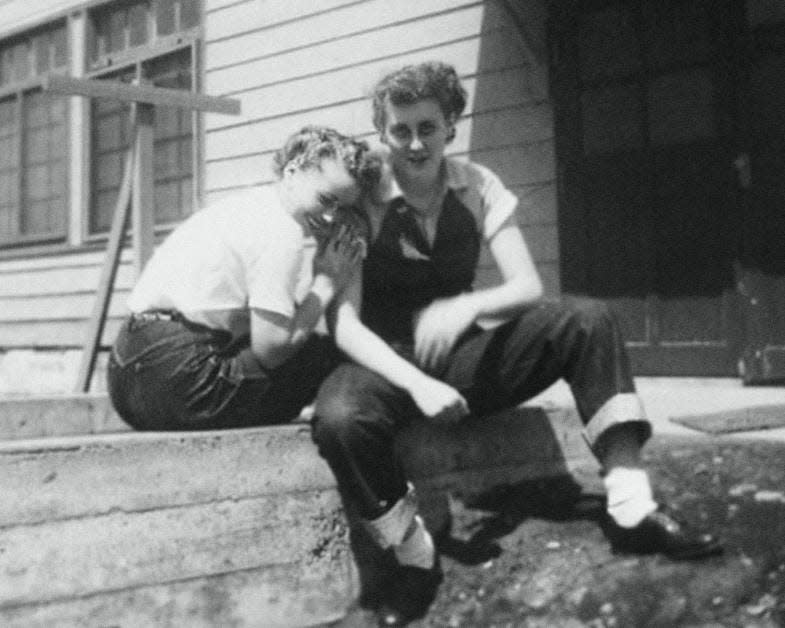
(358, 413)
(177, 375)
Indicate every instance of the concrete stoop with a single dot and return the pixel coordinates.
(226, 528)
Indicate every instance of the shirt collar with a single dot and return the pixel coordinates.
(455, 179)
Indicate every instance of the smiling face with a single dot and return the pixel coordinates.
(416, 134)
(314, 194)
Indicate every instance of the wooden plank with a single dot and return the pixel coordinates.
(239, 42)
(397, 37)
(58, 307)
(225, 18)
(143, 207)
(61, 259)
(537, 203)
(521, 165)
(53, 332)
(56, 281)
(139, 93)
(104, 292)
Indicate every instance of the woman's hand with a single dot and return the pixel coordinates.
(437, 328)
(438, 401)
(338, 257)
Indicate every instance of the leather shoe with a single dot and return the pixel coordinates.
(661, 533)
(409, 595)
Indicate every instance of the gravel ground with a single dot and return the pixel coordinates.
(535, 555)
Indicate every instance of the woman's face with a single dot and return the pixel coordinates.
(314, 194)
(416, 135)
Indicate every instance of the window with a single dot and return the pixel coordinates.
(152, 42)
(33, 139)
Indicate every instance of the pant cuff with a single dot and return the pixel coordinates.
(389, 529)
(619, 409)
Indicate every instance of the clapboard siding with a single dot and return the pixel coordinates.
(515, 119)
(229, 19)
(394, 39)
(473, 58)
(256, 39)
(46, 302)
(52, 333)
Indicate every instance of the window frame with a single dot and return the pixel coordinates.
(18, 90)
(134, 57)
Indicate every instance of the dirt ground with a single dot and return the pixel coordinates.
(535, 556)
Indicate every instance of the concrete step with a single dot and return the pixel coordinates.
(236, 527)
(58, 415)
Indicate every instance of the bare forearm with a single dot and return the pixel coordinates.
(502, 300)
(364, 347)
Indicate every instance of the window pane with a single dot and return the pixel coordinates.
(164, 17)
(189, 13)
(116, 39)
(60, 45)
(167, 202)
(44, 162)
(173, 131)
(41, 49)
(137, 16)
(109, 172)
(21, 61)
(111, 137)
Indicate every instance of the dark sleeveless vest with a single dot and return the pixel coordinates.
(402, 273)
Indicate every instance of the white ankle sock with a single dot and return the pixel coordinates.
(629, 495)
(417, 549)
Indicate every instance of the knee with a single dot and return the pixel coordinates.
(590, 315)
(335, 409)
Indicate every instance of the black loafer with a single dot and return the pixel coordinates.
(661, 533)
(409, 595)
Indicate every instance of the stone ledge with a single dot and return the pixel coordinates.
(93, 524)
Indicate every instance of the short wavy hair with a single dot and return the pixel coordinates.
(310, 145)
(412, 83)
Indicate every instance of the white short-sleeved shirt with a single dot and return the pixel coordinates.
(244, 251)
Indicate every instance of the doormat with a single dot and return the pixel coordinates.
(736, 420)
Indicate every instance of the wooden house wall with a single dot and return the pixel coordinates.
(293, 62)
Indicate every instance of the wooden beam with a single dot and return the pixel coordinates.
(104, 293)
(143, 211)
(139, 93)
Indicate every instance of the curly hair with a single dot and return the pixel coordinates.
(412, 83)
(310, 145)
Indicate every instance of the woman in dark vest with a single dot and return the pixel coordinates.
(432, 216)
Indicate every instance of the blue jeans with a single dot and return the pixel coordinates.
(358, 413)
(177, 375)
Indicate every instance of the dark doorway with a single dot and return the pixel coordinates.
(649, 209)
(762, 276)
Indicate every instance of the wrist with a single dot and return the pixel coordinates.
(323, 287)
(471, 304)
